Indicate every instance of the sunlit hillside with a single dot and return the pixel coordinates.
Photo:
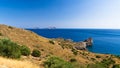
(63, 49)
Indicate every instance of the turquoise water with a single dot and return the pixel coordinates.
(106, 41)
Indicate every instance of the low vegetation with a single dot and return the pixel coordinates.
(51, 41)
(13, 50)
(56, 62)
(36, 53)
(75, 52)
(116, 66)
(25, 51)
(73, 60)
(107, 62)
(10, 27)
(97, 56)
(97, 65)
(1, 34)
(9, 49)
(67, 56)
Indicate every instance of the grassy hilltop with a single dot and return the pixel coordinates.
(41, 52)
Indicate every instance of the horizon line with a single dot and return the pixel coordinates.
(72, 28)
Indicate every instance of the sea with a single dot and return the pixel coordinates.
(105, 41)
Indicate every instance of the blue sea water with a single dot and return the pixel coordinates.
(106, 41)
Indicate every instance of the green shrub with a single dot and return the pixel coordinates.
(10, 27)
(93, 59)
(36, 53)
(103, 64)
(116, 66)
(97, 56)
(9, 49)
(73, 60)
(75, 52)
(51, 41)
(97, 65)
(25, 51)
(1, 34)
(107, 62)
(78, 65)
(55, 62)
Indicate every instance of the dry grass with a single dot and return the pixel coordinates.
(10, 63)
(33, 41)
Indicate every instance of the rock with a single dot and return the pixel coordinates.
(84, 44)
(80, 46)
(89, 41)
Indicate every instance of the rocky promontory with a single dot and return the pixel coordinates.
(68, 43)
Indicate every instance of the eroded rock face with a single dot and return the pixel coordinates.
(84, 44)
(81, 46)
(68, 43)
(89, 41)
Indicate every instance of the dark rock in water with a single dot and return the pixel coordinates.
(89, 41)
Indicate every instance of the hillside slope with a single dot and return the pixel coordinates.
(34, 41)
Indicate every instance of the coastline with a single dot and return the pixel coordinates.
(58, 48)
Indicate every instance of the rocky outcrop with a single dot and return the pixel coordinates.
(84, 44)
(68, 43)
(80, 46)
(89, 41)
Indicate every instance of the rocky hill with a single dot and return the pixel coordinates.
(53, 47)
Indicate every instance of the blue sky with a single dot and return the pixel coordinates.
(60, 13)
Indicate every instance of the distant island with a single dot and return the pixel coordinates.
(50, 28)
(42, 28)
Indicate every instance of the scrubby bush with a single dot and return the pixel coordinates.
(93, 59)
(107, 62)
(116, 66)
(97, 65)
(103, 64)
(97, 56)
(75, 52)
(55, 62)
(51, 41)
(0, 34)
(25, 50)
(78, 65)
(9, 49)
(73, 60)
(10, 27)
(36, 53)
